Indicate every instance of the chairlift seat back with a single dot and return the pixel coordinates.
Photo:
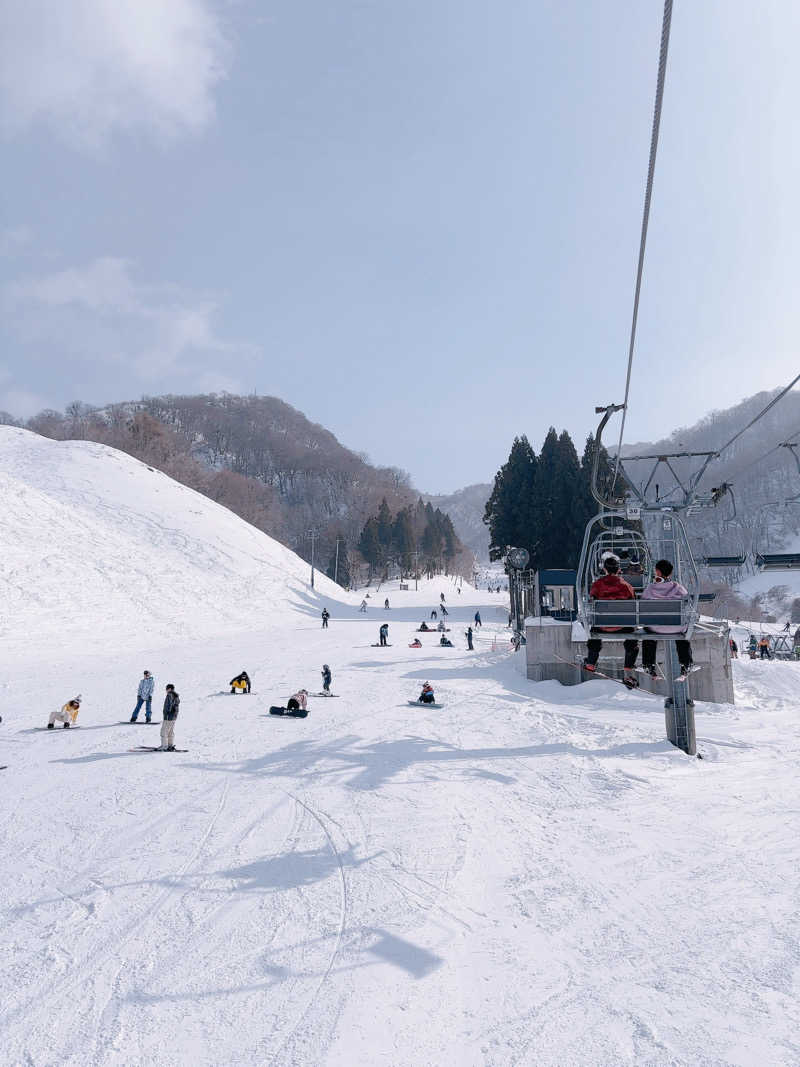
(638, 613)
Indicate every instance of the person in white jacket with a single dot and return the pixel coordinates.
(67, 715)
(663, 588)
(144, 695)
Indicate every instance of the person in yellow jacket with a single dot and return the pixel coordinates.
(67, 715)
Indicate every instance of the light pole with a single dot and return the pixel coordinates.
(336, 564)
(313, 534)
(416, 569)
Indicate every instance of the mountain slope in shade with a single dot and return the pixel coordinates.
(466, 509)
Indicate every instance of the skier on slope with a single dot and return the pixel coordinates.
(478, 619)
(325, 616)
(241, 683)
(468, 635)
(326, 678)
(363, 606)
(67, 715)
(144, 695)
(172, 703)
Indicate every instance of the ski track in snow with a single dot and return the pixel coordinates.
(529, 876)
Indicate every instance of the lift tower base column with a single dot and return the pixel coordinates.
(678, 709)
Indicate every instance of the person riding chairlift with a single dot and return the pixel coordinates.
(610, 586)
(664, 588)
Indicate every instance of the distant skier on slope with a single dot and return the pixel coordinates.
(144, 695)
(241, 683)
(363, 606)
(386, 603)
(325, 616)
(468, 635)
(172, 703)
(326, 678)
(478, 619)
(67, 715)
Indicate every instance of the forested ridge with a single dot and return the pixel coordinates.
(256, 455)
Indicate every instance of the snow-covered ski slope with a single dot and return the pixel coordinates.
(98, 546)
(530, 875)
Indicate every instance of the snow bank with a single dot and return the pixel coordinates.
(98, 546)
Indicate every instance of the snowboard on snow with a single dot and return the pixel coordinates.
(300, 713)
(154, 748)
(138, 722)
(423, 704)
(324, 694)
(57, 726)
(379, 645)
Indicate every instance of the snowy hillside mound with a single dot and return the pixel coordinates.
(99, 546)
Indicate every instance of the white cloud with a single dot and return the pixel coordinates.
(92, 67)
(101, 314)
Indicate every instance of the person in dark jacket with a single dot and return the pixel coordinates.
(469, 639)
(172, 703)
(325, 616)
(610, 586)
(478, 619)
(241, 683)
(427, 696)
(383, 633)
(326, 678)
(445, 642)
(734, 649)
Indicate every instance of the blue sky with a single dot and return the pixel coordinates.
(416, 222)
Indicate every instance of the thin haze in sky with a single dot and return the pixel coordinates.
(417, 223)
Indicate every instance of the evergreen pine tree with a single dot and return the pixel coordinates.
(369, 545)
(403, 540)
(509, 510)
(384, 530)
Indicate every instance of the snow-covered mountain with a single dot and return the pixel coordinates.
(98, 546)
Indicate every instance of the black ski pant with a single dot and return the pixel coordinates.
(684, 650)
(765, 653)
(594, 644)
(324, 624)
(383, 639)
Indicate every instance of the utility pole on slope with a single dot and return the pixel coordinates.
(336, 564)
(313, 534)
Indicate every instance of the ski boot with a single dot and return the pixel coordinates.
(629, 679)
(67, 725)
(51, 726)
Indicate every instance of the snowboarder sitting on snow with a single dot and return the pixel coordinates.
(445, 642)
(416, 643)
(383, 633)
(172, 703)
(325, 616)
(426, 696)
(67, 715)
(240, 684)
(610, 586)
(441, 627)
(326, 678)
(298, 701)
(663, 588)
(144, 695)
(424, 626)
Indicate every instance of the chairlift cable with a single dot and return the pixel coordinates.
(662, 67)
(760, 415)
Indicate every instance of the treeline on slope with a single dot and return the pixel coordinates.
(416, 539)
(256, 455)
(543, 503)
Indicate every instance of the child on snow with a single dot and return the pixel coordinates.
(172, 704)
(326, 678)
(67, 715)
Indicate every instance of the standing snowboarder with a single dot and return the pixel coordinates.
(326, 678)
(383, 633)
(67, 715)
(441, 597)
(386, 603)
(478, 619)
(325, 616)
(144, 695)
(172, 703)
(469, 639)
(363, 606)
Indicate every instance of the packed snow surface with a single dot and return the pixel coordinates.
(530, 875)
